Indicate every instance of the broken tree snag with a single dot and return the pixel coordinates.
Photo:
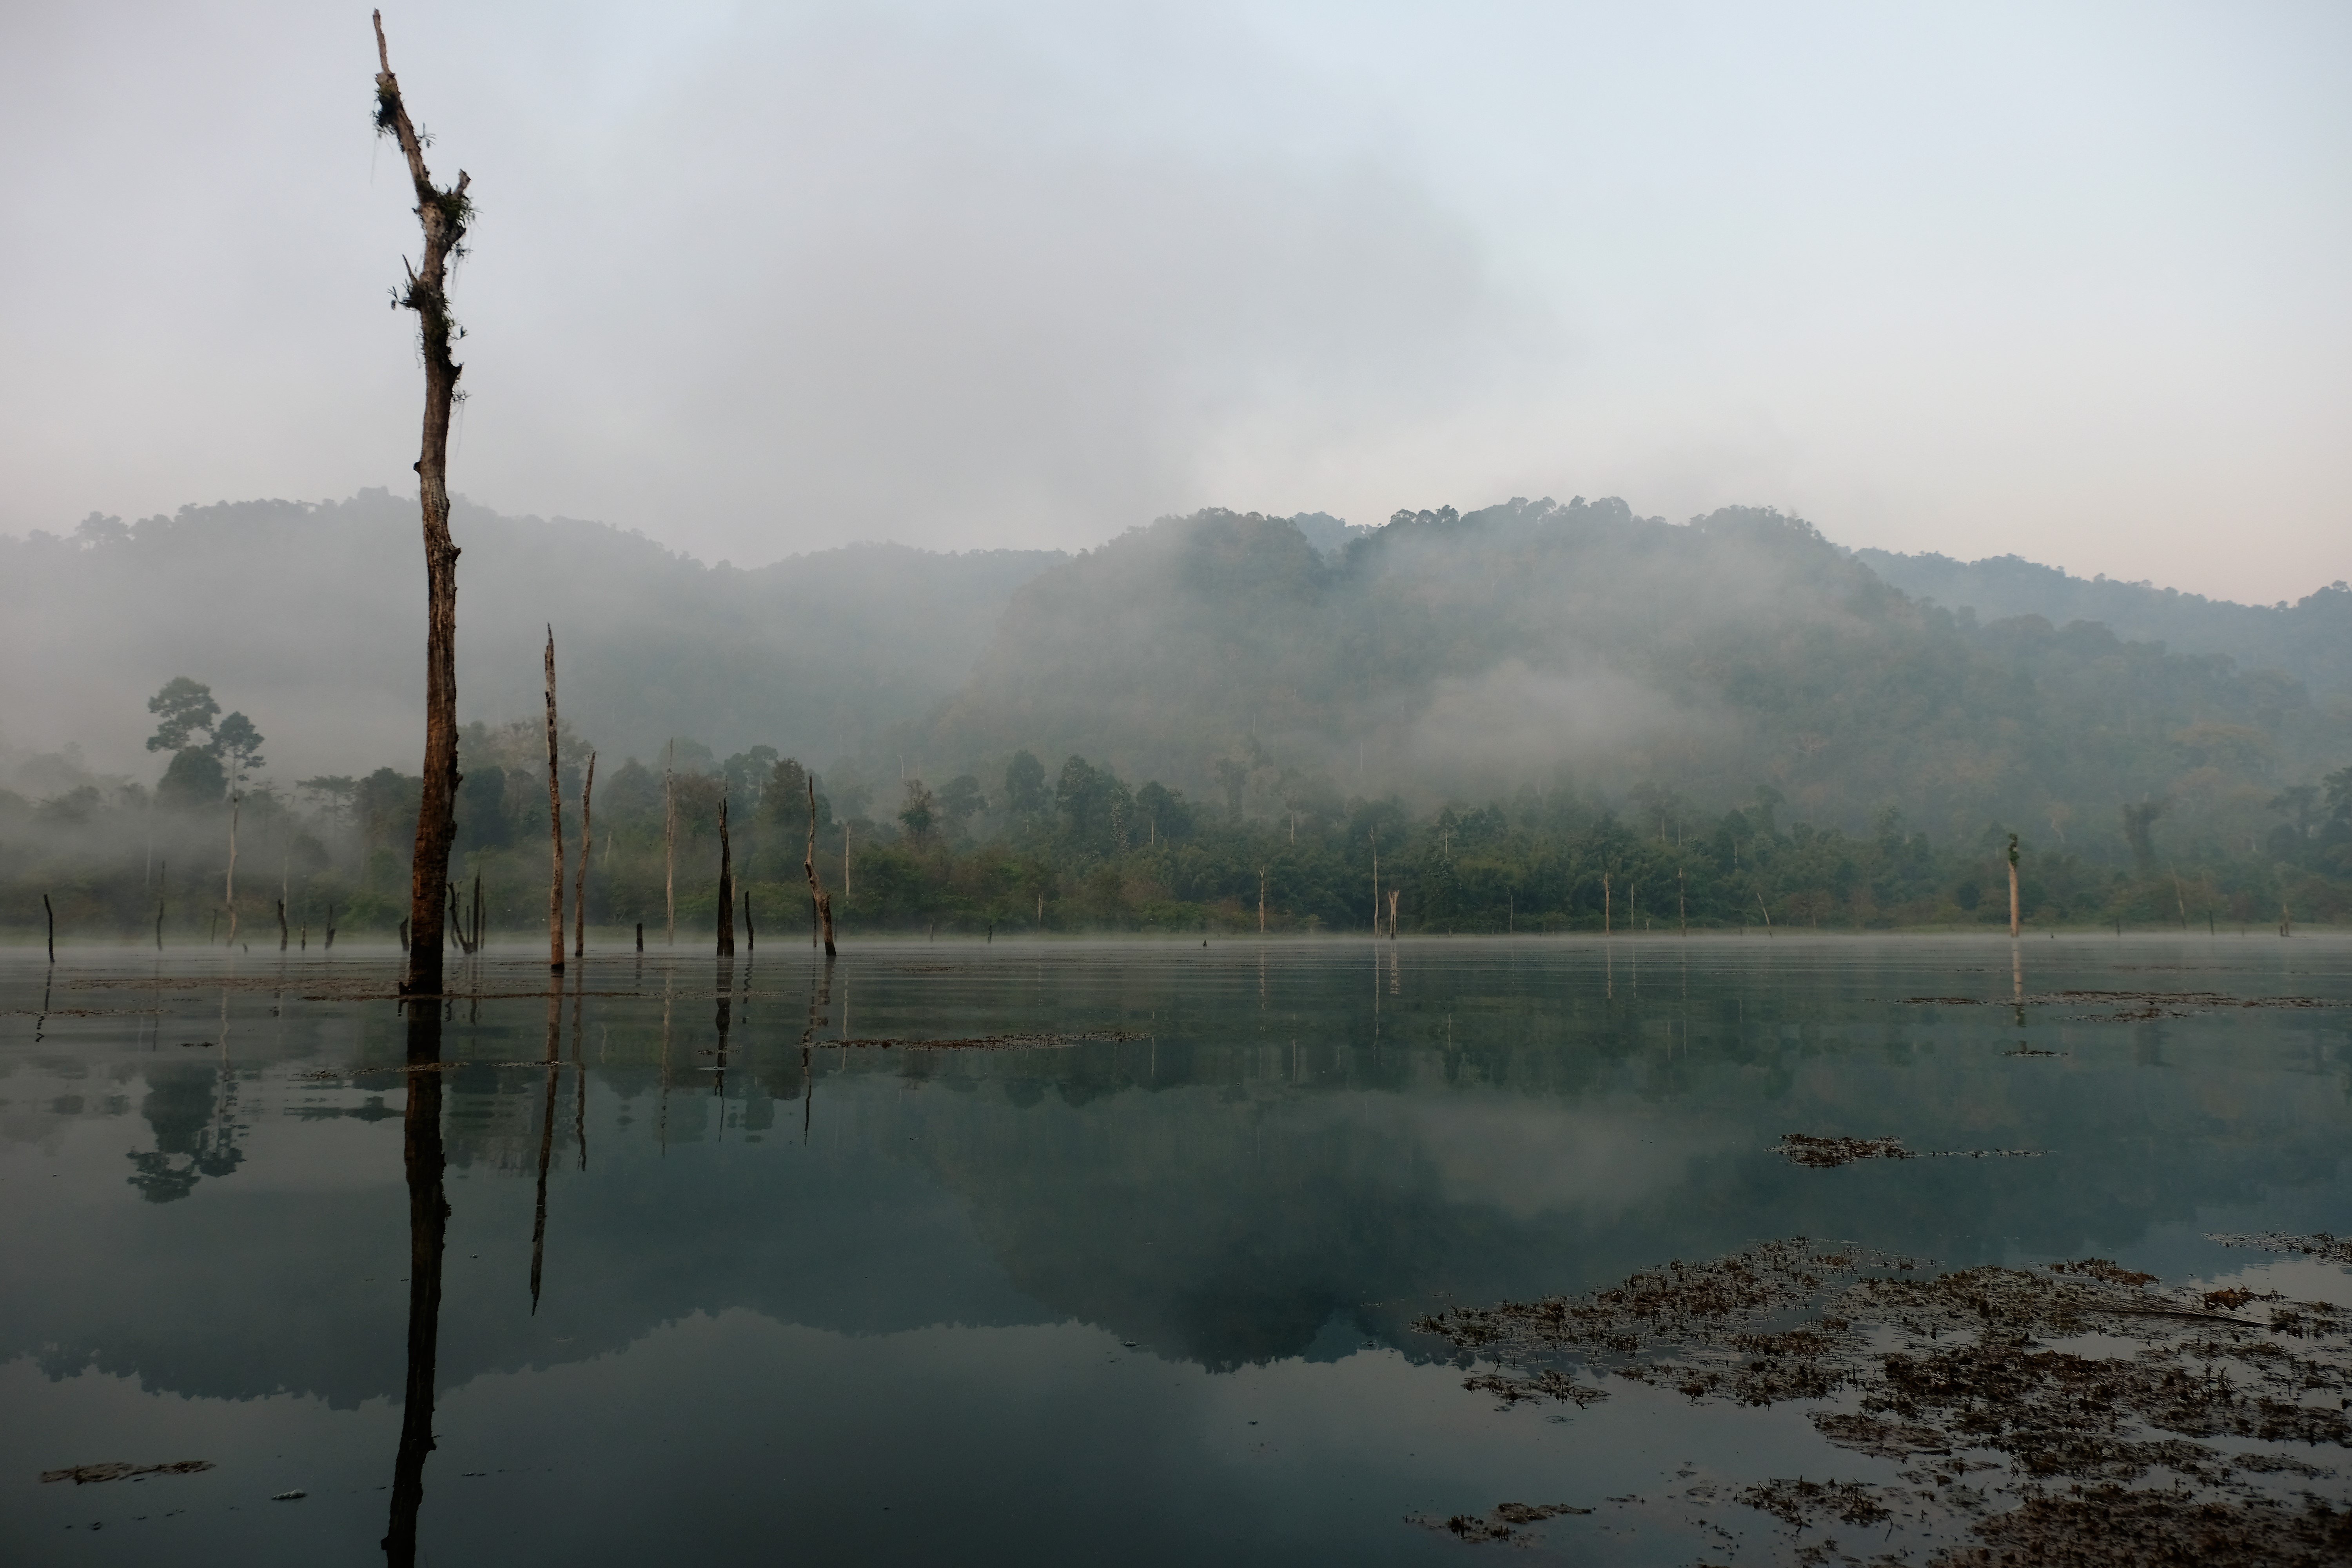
(750, 937)
(587, 843)
(50, 913)
(817, 895)
(2012, 887)
(555, 825)
(282, 934)
(669, 846)
(726, 886)
(444, 215)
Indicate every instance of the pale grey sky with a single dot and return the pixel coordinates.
(2067, 281)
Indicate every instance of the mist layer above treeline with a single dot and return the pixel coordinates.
(1269, 673)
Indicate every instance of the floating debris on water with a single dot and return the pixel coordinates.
(84, 1474)
(2319, 1244)
(1822, 1153)
(1509, 1521)
(1827, 1153)
(2029, 1436)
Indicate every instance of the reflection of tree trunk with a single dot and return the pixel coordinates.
(444, 215)
(428, 1224)
(555, 825)
(587, 843)
(724, 1021)
(546, 1139)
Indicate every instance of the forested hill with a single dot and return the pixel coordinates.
(1534, 643)
(310, 618)
(2310, 639)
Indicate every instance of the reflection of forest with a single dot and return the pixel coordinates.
(1225, 1189)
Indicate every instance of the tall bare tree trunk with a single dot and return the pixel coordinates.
(1392, 902)
(822, 899)
(1375, 836)
(669, 845)
(555, 825)
(1261, 900)
(444, 215)
(845, 860)
(587, 843)
(228, 893)
(726, 886)
(1608, 910)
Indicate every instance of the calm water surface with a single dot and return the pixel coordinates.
(734, 1278)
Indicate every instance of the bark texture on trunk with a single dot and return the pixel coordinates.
(2012, 884)
(817, 895)
(555, 825)
(669, 847)
(444, 215)
(726, 886)
(587, 843)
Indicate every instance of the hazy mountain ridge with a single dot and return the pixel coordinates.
(2310, 639)
(1467, 655)
(310, 617)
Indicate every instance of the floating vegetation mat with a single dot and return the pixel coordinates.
(84, 1474)
(1509, 1521)
(2130, 1006)
(1825, 1153)
(2074, 1415)
(981, 1042)
(2320, 1244)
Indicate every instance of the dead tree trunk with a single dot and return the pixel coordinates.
(726, 886)
(587, 843)
(1261, 900)
(750, 937)
(817, 895)
(555, 825)
(1375, 836)
(229, 891)
(2012, 887)
(444, 215)
(49, 912)
(284, 933)
(670, 846)
(1393, 903)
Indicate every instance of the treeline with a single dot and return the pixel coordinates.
(1078, 848)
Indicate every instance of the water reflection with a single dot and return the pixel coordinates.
(428, 1226)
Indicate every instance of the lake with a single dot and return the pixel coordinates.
(735, 1266)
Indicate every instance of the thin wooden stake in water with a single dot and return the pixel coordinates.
(52, 915)
(555, 825)
(817, 895)
(587, 843)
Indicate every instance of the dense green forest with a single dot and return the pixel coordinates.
(1536, 718)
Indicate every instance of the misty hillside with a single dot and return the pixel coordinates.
(310, 618)
(2310, 639)
(1467, 656)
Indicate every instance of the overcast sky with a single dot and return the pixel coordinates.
(2066, 281)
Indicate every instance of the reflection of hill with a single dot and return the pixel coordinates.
(1215, 1191)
